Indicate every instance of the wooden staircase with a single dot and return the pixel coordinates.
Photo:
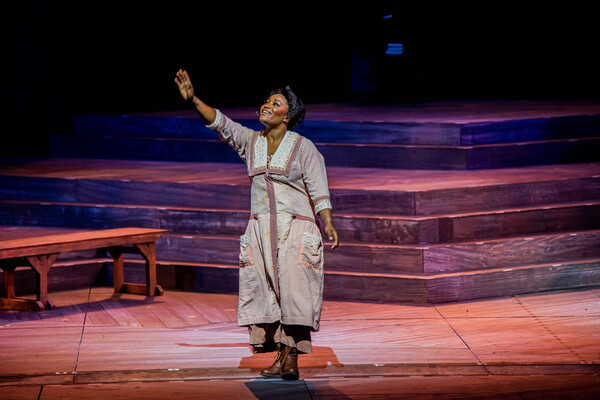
(427, 211)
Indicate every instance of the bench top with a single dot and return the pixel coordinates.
(77, 241)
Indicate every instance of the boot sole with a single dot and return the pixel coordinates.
(289, 376)
(271, 375)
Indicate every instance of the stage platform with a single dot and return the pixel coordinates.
(448, 135)
(433, 202)
(188, 345)
(469, 263)
(414, 236)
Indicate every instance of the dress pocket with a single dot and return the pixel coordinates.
(245, 251)
(311, 251)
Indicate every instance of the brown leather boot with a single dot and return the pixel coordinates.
(289, 369)
(275, 369)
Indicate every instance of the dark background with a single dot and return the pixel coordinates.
(60, 59)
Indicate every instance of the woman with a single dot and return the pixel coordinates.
(281, 252)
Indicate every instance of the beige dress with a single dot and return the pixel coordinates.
(281, 251)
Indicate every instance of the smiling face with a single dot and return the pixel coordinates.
(274, 111)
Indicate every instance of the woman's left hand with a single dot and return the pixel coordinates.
(333, 235)
(329, 229)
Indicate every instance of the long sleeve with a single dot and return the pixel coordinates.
(314, 175)
(236, 135)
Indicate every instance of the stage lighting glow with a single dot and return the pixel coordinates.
(394, 49)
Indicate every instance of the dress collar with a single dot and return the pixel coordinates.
(281, 161)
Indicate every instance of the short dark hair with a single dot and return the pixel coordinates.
(296, 110)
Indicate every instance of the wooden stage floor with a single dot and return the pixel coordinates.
(188, 345)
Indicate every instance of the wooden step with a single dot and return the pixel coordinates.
(395, 202)
(463, 286)
(460, 157)
(511, 252)
(406, 288)
(401, 259)
(445, 228)
(507, 282)
(450, 133)
(125, 192)
(365, 190)
(321, 131)
(367, 258)
(339, 154)
(380, 229)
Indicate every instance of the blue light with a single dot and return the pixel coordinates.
(395, 49)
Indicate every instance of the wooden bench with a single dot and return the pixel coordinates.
(40, 252)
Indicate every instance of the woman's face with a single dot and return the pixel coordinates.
(274, 111)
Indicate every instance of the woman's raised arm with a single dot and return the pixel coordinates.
(186, 89)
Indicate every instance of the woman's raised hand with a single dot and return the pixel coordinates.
(185, 85)
(186, 89)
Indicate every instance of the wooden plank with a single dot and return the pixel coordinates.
(367, 190)
(227, 173)
(549, 152)
(508, 195)
(21, 392)
(526, 340)
(336, 154)
(386, 229)
(351, 256)
(184, 307)
(19, 304)
(562, 303)
(77, 241)
(203, 221)
(142, 148)
(395, 202)
(374, 287)
(548, 336)
(295, 390)
(426, 133)
(502, 223)
(511, 281)
(76, 215)
(484, 196)
(141, 126)
(367, 228)
(329, 131)
(453, 387)
(396, 125)
(511, 252)
(530, 129)
(181, 194)
(34, 351)
(41, 189)
(139, 171)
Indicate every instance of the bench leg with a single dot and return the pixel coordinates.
(41, 265)
(9, 281)
(148, 251)
(10, 302)
(118, 272)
